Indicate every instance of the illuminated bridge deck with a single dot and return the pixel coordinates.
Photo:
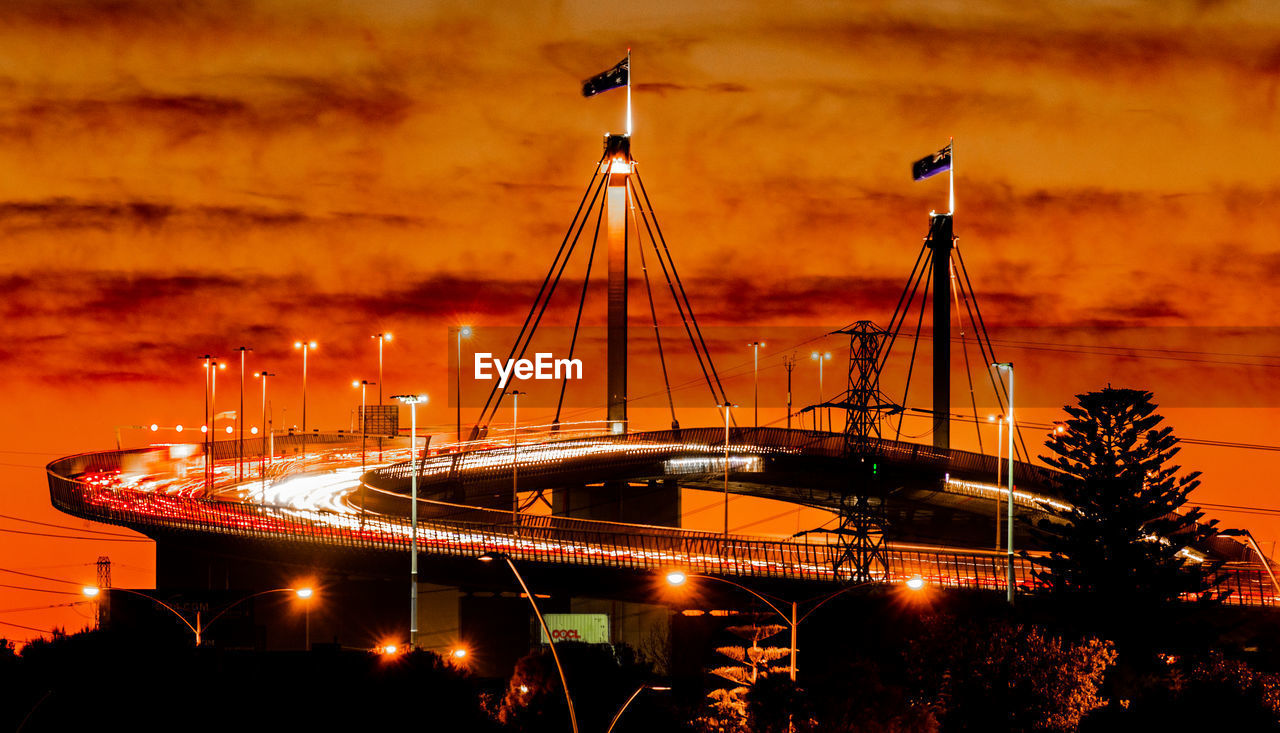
(91, 486)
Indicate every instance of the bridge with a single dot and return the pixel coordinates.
(99, 486)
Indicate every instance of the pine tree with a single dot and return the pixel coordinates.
(1124, 538)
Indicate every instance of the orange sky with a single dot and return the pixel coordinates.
(188, 177)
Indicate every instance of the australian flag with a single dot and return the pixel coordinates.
(611, 79)
(931, 165)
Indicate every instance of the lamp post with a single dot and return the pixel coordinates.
(381, 337)
(790, 363)
(1009, 581)
(727, 406)
(412, 401)
(793, 620)
(204, 420)
(634, 695)
(515, 448)
(999, 421)
(240, 419)
(363, 384)
(266, 452)
(212, 366)
(463, 332)
(306, 347)
(198, 629)
(815, 356)
(755, 381)
(551, 641)
(305, 595)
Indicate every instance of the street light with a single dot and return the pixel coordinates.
(515, 448)
(755, 388)
(815, 356)
(306, 347)
(463, 332)
(363, 384)
(793, 621)
(1009, 581)
(381, 337)
(199, 628)
(999, 421)
(266, 450)
(634, 695)
(551, 641)
(305, 595)
(412, 401)
(240, 419)
(727, 406)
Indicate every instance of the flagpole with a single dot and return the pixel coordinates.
(951, 174)
(628, 92)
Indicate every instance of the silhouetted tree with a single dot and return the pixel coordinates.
(993, 675)
(601, 678)
(1123, 537)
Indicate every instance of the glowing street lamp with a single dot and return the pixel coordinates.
(551, 640)
(1009, 580)
(363, 384)
(198, 629)
(999, 421)
(382, 338)
(755, 388)
(305, 346)
(825, 356)
(678, 578)
(266, 450)
(727, 407)
(463, 332)
(305, 595)
(240, 418)
(634, 695)
(515, 448)
(412, 401)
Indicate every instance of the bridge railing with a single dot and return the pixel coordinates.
(767, 440)
(83, 485)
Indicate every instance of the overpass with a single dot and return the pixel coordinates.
(97, 486)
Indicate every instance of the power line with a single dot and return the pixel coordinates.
(38, 577)
(70, 537)
(28, 628)
(63, 526)
(39, 590)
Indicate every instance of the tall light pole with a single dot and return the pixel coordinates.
(631, 699)
(755, 381)
(815, 356)
(412, 400)
(1010, 581)
(305, 595)
(306, 347)
(381, 338)
(266, 453)
(204, 438)
(551, 641)
(727, 406)
(363, 384)
(240, 419)
(463, 332)
(790, 363)
(515, 447)
(213, 366)
(999, 421)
